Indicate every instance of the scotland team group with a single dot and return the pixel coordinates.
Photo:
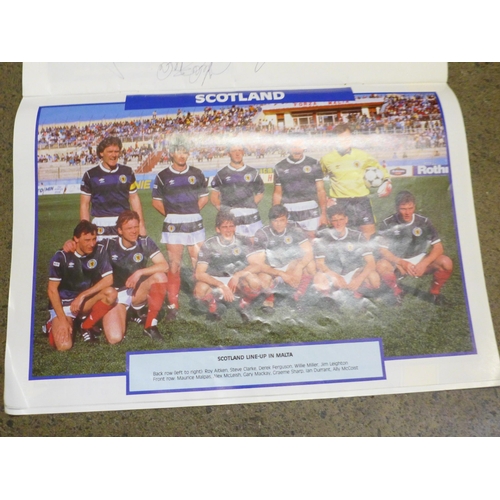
(319, 242)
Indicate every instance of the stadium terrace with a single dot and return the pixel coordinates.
(239, 97)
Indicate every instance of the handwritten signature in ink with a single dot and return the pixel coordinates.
(196, 72)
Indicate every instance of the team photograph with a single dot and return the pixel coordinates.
(244, 224)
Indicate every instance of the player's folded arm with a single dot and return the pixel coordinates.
(201, 274)
(106, 281)
(160, 264)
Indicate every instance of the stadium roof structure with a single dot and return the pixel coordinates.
(371, 103)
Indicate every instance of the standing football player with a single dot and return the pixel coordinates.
(344, 259)
(239, 188)
(108, 189)
(299, 186)
(80, 287)
(179, 193)
(410, 246)
(137, 283)
(345, 166)
(226, 269)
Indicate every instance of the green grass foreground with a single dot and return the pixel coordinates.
(417, 328)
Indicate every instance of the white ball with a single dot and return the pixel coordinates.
(374, 177)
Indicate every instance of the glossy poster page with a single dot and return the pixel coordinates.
(288, 244)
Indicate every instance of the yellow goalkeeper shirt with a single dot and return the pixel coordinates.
(346, 172)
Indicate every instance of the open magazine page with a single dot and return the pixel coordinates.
(301, 243)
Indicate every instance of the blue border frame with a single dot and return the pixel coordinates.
(155, 102)
(258, 346)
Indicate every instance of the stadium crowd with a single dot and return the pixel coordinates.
(418, 115)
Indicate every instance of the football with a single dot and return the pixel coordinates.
(374, 177)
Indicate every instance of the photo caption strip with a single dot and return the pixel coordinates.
(254, 366)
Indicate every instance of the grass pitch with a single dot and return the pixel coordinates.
(417, 328)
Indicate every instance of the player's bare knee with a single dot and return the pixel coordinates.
(175, 268)
(321, 284)
(321, 287)
(383, 266)
(63, 344)
(109, 295)
(266, 280)
(200, 290)
(446, 264)
(162, 277)
(115, 338)
(253, 282)
(159, 278)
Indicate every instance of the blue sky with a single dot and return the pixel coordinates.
(93, 112)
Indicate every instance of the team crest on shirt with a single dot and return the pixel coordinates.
(417, 231)
(248, 177)
(192, 179)
(350, 247)
(123, 179)
(237, 251)
(100, 230)
(288, 240)
(307, 169)
(138, 257)
(92, 263)
(170, 228)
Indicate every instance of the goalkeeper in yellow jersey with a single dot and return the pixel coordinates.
(346, 167)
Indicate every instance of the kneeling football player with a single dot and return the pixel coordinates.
(137, 283)
(287, 258)
(410, 246)
(225, 269)
(80, 287)
(344, 258)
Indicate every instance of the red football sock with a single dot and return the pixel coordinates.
(173, 287)
(96, 313)
(391, 281)
(304, 283)
(156, 297)
(269, 295)
(269, 301)
(210, 300)
(440, 278)
(48, 329)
